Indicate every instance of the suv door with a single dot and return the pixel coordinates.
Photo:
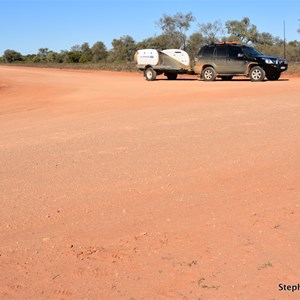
(220, 59)
(236, 61)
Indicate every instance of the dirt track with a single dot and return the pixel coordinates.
(113, 187)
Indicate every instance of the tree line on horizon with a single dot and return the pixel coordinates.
(174, 35)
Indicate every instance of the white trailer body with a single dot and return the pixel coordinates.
(170, 62)
(179, 55)
(147, 57)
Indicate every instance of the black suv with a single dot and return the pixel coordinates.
(226, 60)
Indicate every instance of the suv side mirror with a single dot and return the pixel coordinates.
(240, 55)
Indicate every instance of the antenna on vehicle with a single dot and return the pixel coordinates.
(284, 48)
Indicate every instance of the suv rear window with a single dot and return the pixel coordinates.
(220, 52)
(207, 51)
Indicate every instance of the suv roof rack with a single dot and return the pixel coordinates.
(226, 43)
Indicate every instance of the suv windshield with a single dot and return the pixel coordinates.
(251, 51)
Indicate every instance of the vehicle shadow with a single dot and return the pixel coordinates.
(248, 80)
(217, 80)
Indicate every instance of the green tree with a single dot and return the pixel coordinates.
(52, 57)
(212, 31)
(175, 28)
(11, 56)
(86, 53)
(159, 42)
(74, 55)
(123, 49)
(62, 57)
(265, 42)
(41, 55)
(99, 52)
(242, 31)
(194, 43)
(274, 49)
(43, 51)
(29, 57)
(265, 38)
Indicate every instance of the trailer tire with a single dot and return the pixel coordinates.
(209, 74)
(150, 74)
(171, 76)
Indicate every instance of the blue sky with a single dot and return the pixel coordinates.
(58, 25)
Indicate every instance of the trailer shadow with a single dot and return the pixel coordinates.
(178, 79)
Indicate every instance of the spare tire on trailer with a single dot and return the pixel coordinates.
(150, 74)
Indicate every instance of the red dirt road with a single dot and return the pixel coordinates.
(113, 187)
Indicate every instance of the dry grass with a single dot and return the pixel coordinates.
(294, 68)
(126, 66)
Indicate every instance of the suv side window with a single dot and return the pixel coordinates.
(235, 51)
(220, 52)
(207, 52)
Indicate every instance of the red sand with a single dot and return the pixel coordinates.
(113, 187)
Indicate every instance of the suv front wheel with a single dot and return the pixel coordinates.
(209, 74)
(274, 76)
(257, 74)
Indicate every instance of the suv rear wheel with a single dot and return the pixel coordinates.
(257, 74)
(209, 74)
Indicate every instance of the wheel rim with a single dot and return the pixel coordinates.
(256, 74)
(208, 74)
(149, 74)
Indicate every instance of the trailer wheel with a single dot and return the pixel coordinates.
(209, 74)
(257, 74)
(171, 76)
(150, 74)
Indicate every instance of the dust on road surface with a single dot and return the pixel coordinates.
(113, 187)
